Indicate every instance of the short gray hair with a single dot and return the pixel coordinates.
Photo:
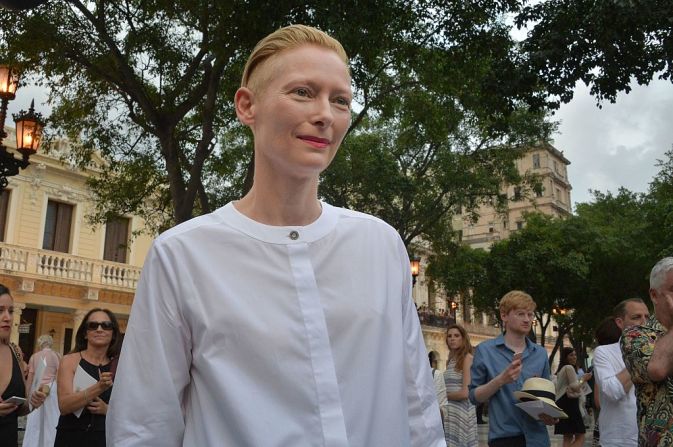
(45, 340)
(660, 270)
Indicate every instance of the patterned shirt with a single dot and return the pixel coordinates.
(655, 399)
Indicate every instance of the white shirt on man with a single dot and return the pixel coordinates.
(617, 418)
(245, 334)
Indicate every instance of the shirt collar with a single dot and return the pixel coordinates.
(500, 340)
(284, 235)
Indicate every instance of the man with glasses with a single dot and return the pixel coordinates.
(501, 366)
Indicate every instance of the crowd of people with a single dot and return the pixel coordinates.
(435, 317)
(69, 396)
(632, 388)
(256, 326)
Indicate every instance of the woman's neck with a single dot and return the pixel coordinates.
(95, 355)
(282, 204)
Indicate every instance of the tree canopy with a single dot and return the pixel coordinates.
(150, 84)
(604, 43)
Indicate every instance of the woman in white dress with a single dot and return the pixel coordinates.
(41, 423)
(460, 417)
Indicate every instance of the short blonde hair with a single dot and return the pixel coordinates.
(516, 299)
(286, 38)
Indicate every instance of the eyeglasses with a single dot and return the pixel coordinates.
(93, 325)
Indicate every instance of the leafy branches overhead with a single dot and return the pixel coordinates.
(604, 43)
(149, 84)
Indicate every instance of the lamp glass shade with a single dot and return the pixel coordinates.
(9, 81)
(415, 266)
(28, 135)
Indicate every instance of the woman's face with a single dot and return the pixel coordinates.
(99, 329)
(454, 339)
(572, 358)
(6, 316)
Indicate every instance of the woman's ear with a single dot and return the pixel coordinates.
(245, 109)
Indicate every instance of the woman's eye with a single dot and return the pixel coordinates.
(301, 92)
(342, 102)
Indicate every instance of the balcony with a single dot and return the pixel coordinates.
(56, 266)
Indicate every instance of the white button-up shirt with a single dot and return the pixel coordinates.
(617, 419)
(244, 334)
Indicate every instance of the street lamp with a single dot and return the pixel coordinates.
(29, 127)
(415, 262)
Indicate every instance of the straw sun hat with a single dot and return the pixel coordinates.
(537, 388)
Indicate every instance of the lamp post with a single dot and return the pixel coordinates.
(415, 263)
(29, 127)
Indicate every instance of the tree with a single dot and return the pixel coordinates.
(604, 43)
(549, 259)
(658, 209)
(458, 269)
(149, 83)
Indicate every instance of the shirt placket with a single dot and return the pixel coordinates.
(322, 361)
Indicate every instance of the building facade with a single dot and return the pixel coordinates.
(56, 265)
(554, 199)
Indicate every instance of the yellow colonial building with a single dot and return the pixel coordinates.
(57, 265)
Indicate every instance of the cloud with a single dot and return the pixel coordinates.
(618, 144)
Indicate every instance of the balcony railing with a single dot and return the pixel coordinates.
(63, 266)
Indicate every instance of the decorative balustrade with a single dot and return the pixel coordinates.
(51, 264)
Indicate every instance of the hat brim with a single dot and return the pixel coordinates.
(524, 395)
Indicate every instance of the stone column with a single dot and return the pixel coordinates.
(18, 310)
(77, 318)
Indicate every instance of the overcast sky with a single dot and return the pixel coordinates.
(615, 146)
(619, 144)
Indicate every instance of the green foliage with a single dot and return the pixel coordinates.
(658, 208)
(148, 85)
(604, 43)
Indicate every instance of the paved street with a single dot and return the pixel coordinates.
(556, 440)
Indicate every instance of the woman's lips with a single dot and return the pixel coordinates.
(315, 141)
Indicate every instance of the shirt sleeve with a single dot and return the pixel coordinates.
(478, 374)
(425, 422)
(608, 383)
(146, 407)
(637, 346)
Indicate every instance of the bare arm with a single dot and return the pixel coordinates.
(70, 400)
(624, 378)
(462, 393)
(661, 362)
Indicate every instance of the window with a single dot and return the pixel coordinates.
(539, 192)
(517, 193)
(116, 240)
(57, 227)
(536, 161)
(555, 166)
(558, 195)
(519, 225)
(4, 204)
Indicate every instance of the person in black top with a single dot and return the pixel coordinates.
(11, 375)
(96, 345)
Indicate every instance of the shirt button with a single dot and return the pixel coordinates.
(294, 235)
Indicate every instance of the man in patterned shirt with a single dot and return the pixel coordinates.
(648, 355)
